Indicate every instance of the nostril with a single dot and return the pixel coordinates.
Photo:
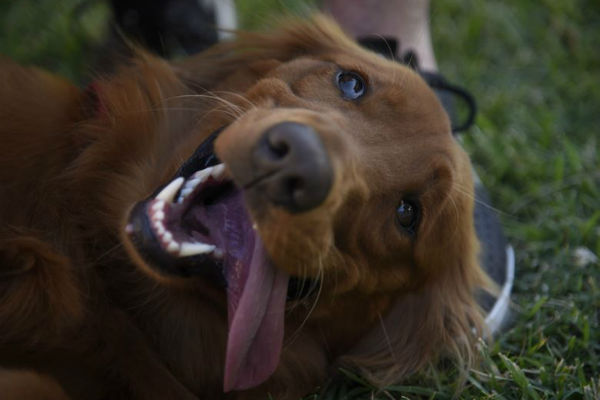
(292, 166)
(295, 185)
(278, 147)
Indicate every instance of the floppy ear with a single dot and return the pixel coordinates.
(253, 54)
(203, 72)
(440, 316)
(37, 110)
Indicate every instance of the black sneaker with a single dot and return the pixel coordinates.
(175, 27)
(497, 255)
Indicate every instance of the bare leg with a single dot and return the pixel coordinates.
(405, 20)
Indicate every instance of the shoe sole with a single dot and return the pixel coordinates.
(498, 315)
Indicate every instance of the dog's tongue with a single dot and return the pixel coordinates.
(256, 294)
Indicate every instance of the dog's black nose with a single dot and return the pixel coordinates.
(293, 166)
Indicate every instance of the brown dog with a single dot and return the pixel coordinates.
(236, 224)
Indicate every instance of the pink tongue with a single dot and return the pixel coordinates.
(256, 294)
(256, 297)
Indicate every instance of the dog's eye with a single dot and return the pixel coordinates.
(351, 85)
(407, 213)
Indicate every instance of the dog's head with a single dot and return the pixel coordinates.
(293, 168)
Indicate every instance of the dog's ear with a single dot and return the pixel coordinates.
(254, 54)
(295, 37)
(37, 112)
(203, 73)
(439, 317)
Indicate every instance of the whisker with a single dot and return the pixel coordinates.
(391, 53)
(238, 95)
(234, 107)
(471, 196)
(388, 340)
(456, 213)
(107, 253)
(217, 110)
(296, 333)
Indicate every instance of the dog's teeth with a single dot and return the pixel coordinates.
(167, 236)
(185, 192)
(169, 191)
(217, 170)
(202, 175)
(199, 177)
(159, 215)
(191, 249)
(191, 184)
(172, 246)
(159, 227)
(158, 205)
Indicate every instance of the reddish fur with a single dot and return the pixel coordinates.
(79, 305)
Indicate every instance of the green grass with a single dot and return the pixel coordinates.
(535, 70)
(60, 35)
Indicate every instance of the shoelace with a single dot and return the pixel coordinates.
(388, 48)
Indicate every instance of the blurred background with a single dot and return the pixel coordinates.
(534, 68)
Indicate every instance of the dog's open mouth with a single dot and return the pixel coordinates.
(191, 223)
(198, 225)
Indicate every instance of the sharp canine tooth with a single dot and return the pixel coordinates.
(202, 175)
(194, 180)
(173, 247)
(217, 170)
(169, 191)
(198, 175)
(186, 191)
(190, 249)
(192, 183)
(158, 205)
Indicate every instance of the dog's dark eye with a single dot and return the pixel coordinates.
(351, 85)
(407, 213)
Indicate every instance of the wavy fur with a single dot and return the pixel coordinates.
(82, 311)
